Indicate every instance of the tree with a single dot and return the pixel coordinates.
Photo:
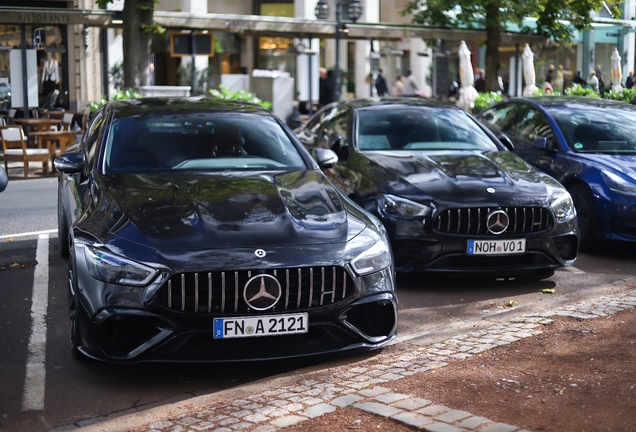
(494, 15)
(138, 28)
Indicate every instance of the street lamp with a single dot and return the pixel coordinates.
(355, 12)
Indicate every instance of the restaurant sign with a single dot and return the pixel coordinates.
(55, 17)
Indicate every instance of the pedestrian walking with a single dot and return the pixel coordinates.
(398, 87)
(593, 81)
(629, 82)
(327, 88)
(410, 85)
(380, 85)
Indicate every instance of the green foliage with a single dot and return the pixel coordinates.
(122, 94)
(577, 90)
(625, 95)
(226, 93)
(153, 28)
(117, 76)
(484, 100)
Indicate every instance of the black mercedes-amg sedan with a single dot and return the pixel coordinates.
(200, 229)
(452, 197)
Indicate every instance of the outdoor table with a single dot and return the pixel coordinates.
(38, 124)
(51, 138)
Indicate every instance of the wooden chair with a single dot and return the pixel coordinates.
(67, 120)
(14, 143)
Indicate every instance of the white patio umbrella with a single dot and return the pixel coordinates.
(617, 73)
(467, 93)
(528, 72)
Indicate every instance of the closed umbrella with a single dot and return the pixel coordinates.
(617, 73)
(528, 72)
(467, 93)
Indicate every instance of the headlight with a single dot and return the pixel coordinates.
(563, 207)
(107, 267)
(402, 208)
(375, 252)
(618, 184)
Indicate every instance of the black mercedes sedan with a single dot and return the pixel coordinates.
(452, 197)
(201, 230)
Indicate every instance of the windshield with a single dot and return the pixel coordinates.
(420, 128)
(597, 130)
(199, 141)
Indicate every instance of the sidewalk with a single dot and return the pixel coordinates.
(362, 387)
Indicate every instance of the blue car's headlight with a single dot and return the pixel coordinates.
(107, 267)
(618, 184)
(372, 252)
(401, 208)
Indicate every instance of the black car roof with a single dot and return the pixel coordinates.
(167, 105)
(392, 102)
(573, 102)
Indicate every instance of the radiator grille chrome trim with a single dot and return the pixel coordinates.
(303, 288)
(472, 221)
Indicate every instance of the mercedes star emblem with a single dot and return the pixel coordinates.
(262, 292)
(260, 253)
(497, 222)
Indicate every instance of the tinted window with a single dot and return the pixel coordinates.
(591, 129)
(205, 141)
(502, 118)
(533, 125)
(420, 128)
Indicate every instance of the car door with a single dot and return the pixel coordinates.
(532, 125)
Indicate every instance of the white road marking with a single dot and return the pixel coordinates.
(34, 233)
(34, 383)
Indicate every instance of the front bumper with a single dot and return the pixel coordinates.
(417, 248)
(128, 325)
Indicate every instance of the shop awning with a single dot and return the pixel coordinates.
(251, 25)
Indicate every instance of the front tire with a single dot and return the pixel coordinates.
(584, 204)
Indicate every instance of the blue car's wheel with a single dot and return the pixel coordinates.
(586, 214)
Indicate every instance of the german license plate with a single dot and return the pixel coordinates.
(496, 247)
(238, 327)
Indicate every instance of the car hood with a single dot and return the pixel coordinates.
(465, 177)
(621, 163)
(224, 210)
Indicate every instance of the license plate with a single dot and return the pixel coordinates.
(237, 327)
(496, 247)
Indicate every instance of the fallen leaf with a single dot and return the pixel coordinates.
(548, 291)
(10, 239)
(15, 265)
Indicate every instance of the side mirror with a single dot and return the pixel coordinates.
(339, 146)
(70, 163)
(506, 142)
(326, 158)
(4, 179)
(540, 143)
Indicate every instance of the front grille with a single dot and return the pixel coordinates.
(472, 221)
(222, 292)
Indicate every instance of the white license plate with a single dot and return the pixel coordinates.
(496, 247)
(237, 327)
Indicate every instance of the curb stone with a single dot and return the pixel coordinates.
(359, 385)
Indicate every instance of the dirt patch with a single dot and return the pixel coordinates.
(576, 376)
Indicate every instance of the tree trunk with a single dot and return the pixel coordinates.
(137, 42)
(493, 40)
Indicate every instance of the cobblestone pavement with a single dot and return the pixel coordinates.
(360, 386)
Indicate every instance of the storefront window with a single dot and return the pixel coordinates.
(51, 60)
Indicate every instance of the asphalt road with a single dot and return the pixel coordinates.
(73, 391)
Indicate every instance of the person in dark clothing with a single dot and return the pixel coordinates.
(578, 79)
(629, 82)
(380, 85)
(327, 88)
(480, 81)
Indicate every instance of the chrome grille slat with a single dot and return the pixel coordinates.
(472, 221)
(301, 288)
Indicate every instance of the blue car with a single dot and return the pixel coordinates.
(587, 144)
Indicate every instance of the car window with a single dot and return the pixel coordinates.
(533, 125)
(502, 118)
(207, 141)
(420, 128)
(591, 129)
(93, 132)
